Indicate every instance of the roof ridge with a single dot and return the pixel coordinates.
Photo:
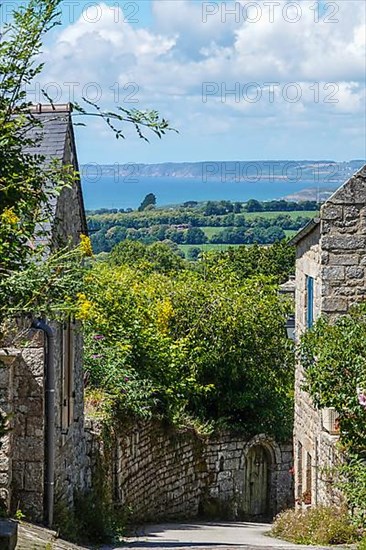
(51, 108)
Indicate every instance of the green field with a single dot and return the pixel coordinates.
(292, 214)
(207, 247)
(108, 239)
(210, 231)
(220, 247)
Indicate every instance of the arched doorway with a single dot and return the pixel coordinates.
(257, 483)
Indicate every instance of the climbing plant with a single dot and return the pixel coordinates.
(334, 358)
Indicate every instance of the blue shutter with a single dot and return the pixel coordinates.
(309, 301)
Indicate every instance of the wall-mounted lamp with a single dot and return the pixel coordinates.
(290, 327)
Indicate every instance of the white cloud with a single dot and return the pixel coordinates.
(170, 61)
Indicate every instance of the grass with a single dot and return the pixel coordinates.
(220, 247)
(292, 214)
(207, 247)
(322, 525)
(211, 230)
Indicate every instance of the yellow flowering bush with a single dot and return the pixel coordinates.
(9, 217)
(86, 246)
(165, 313)
(179, 344)
(84, 307)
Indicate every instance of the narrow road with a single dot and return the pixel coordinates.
(186, 536)
(207, 536)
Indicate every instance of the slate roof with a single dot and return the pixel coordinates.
(51, 136)
(304, 231)
(51, 141)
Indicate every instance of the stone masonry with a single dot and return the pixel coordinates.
(162, 473)
(332, 251)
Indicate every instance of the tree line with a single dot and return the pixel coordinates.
(235, 229)
(219, 208)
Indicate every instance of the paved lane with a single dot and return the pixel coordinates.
(207, 536)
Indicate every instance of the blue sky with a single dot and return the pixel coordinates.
(239, 80)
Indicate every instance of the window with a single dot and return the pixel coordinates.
(307, 494)
(309, 301)
(68, 358)
(330, 421)
(299, 470)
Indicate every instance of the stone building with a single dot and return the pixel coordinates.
(330, 277)
(42, 458)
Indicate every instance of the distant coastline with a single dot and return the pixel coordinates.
(125, 185)
(286, 170)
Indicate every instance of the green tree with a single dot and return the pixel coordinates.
(193, 253)
(155, 257)
(25, 190)
(253, 206)
(334, 357)
(195, 235)
(149, 200)
(276, 261)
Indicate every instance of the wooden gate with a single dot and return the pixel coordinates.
(257, 483)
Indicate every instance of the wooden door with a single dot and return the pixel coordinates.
(256, 490)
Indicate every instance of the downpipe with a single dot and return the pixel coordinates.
(49, 396)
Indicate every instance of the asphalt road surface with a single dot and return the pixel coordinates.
(206, 536)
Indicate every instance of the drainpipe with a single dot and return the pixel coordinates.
(49, 395)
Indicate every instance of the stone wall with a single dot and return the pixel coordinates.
(343, 245)
(334, 254)
(22, 455)
(307, 419)
(22, 450)
(6, 408)
(161, 473)
(27, 430)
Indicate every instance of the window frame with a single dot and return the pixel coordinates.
(68, 378)
(309, 301)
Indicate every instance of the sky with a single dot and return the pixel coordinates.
(239, 80)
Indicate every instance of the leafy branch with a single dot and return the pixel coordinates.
(147, 119)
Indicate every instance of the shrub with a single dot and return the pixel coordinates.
(167, 346)
(321, 525)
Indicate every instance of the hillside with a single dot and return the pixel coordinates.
(201, 226)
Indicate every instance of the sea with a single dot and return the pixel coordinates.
(127, 192)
